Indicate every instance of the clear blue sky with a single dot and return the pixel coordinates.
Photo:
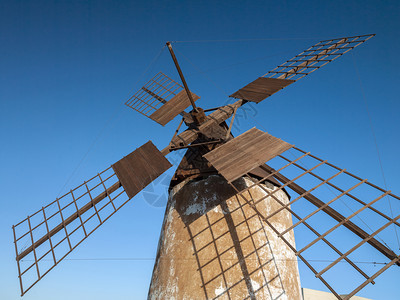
(67, 67)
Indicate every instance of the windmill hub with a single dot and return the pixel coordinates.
(198, 115)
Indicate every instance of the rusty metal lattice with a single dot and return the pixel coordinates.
(356, 207)
(316, 56)
(46, 237)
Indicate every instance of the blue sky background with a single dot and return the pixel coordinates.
(67, 67)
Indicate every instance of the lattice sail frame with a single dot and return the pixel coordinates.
(160, 89)
(316, 56)
(100, 197)
(299, 66)
(330, 184)
(50, 234)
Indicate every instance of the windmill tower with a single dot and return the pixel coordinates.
(234, 201)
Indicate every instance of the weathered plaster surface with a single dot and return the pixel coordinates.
(309, 294)
(214, 245)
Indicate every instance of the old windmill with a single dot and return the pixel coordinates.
(228, 229)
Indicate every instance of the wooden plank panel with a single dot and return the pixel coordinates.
(261, 88)
(158, 160)
(136, 170)
(245, 152)
(172, 108)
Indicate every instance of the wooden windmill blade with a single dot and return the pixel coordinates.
(355, 205)
(161, 99)
(299, 66)
(46, 237)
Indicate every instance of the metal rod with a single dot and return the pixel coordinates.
(189, 94)
(228, 133)
(211, 109)
(195, 145)
(177, 130)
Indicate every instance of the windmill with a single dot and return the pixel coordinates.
(284, 188)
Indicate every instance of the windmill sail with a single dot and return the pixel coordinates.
(161, 99)
(355, 206)
(46, 237)
(299, 66)
(241, 154)
(261, 88)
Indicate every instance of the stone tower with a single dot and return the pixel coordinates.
(213, 244)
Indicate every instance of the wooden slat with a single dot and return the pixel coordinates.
(136, 170)
(261, 88)
(172, 108)
(245, 152)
